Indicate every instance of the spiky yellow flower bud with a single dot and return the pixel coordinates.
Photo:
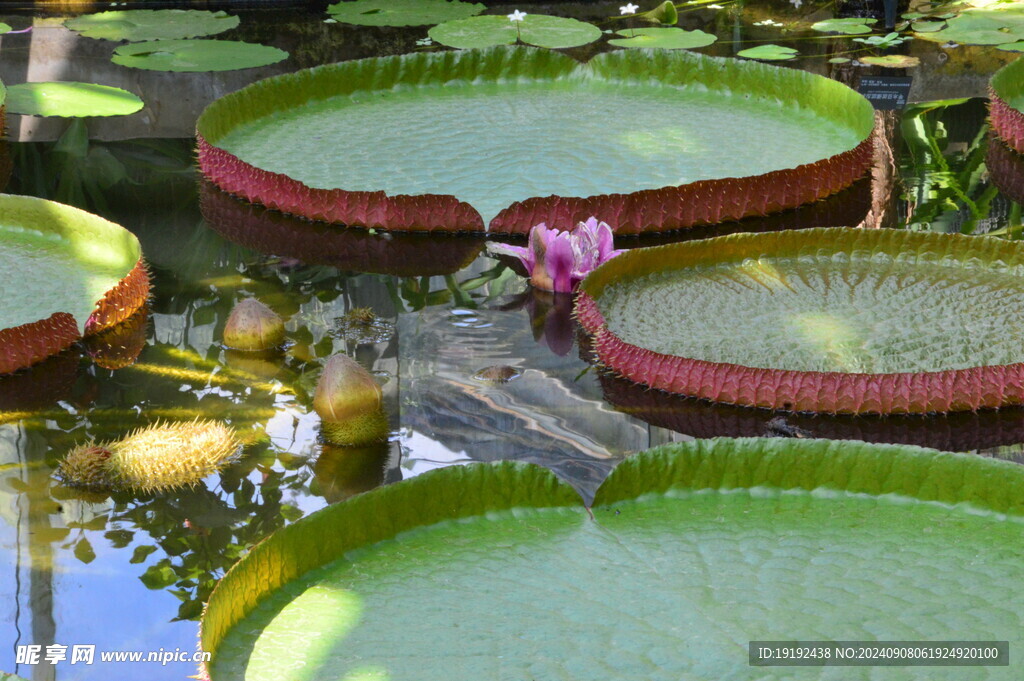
(253, 326)
(349, 402)
(152, 459)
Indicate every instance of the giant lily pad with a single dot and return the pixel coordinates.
(1007, 112)
(70, 100)
(692, 550)
(64, 273)
(831, 320)
(537, 130)
(995, 24)
(846, 26)
(196, 55)
(402, 12)
(535, 29)
(148, 24)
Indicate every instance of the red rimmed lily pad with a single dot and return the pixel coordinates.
(66, 273)
(706, 140)
(494, 571)
(1007, 111)
(825, 320)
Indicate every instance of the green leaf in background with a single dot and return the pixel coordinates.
(402, 12)
(663, 38)
(768, 53)
(4, 28)
(665, 14)
(996, 24)
(70, 100)
(148, 24)
(892, 61)
(196, 55)
(536, 29)
(1012, 47)
(141, 553)
(707, 544)
(850, 26)
(927, 26)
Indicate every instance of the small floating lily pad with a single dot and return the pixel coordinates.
(1012, 47)
(196, 55)
(768, 53)
(892, 61)
(70, 100)
(402, 12)
(663, 38)
(848, 26)
(149, 24)
(536, 29)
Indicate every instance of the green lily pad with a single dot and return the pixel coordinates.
(692, 550)
(849, 26)
(402, 12)
(5, 28)
(536, 29)
(1012, 47)
(927, 26)
(56, 264)
(892, 61)
(196, 55)
(690, 117)
(70, 100)
(878, 320)
(148, 24)
(996, 24)
(768, 53)
(663, 38)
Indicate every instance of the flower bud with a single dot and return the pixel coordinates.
(253, 326)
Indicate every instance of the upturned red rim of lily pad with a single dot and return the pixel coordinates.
(884, 266)
(770, 96)
(83, 253)
(1006, 111)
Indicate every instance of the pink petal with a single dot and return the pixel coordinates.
(524, 254)
(559, 261)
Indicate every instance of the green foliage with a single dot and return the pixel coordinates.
(402, 12)
(536, 29)
(196, 55)
(147, 24)
(70, 100)
(848, 26)
(768, 53)
(663, 38)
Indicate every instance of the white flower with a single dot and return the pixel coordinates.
(629, 8)
(715, 7)
(767, 22)
(425, 42)
(517, 16)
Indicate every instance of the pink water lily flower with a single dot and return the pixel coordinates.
(558, 260)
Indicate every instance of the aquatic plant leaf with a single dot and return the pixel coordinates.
(5, 28)
(892, 61)
(927, 26)
(777, 532)
(70, 100)
(86, 275)
(768, 53)
(1012, 47)
(536, 29)
(663, 38)
(678, 177)
(136, 25)
(996, 24)
(402, 12)
(846, 26)
(196, 55)
(824, 320)
(1006, 90)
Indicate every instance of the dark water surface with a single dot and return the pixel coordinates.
(131, 572)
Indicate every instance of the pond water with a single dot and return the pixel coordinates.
(475, 365)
